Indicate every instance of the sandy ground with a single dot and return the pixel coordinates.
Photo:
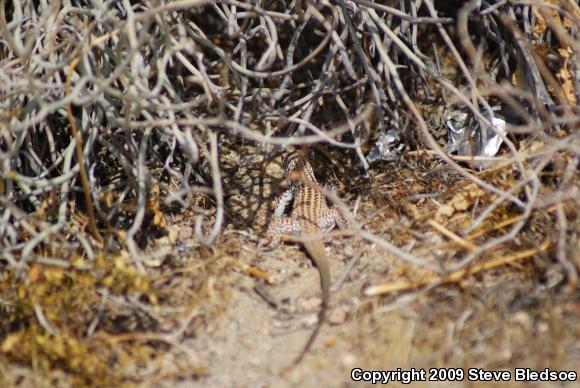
(252, 341)
(523, 316)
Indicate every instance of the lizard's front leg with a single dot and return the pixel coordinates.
(282, 202)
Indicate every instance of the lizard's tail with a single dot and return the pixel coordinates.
(315, 249)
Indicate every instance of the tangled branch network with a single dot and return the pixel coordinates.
(102, 102)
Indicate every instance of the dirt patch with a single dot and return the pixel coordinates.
(509, 317)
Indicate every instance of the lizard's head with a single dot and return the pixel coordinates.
(295, 165)
(292, 162)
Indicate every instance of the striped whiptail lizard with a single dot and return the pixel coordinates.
(310, 216)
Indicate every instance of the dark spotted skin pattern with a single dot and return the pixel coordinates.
(310, 216)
